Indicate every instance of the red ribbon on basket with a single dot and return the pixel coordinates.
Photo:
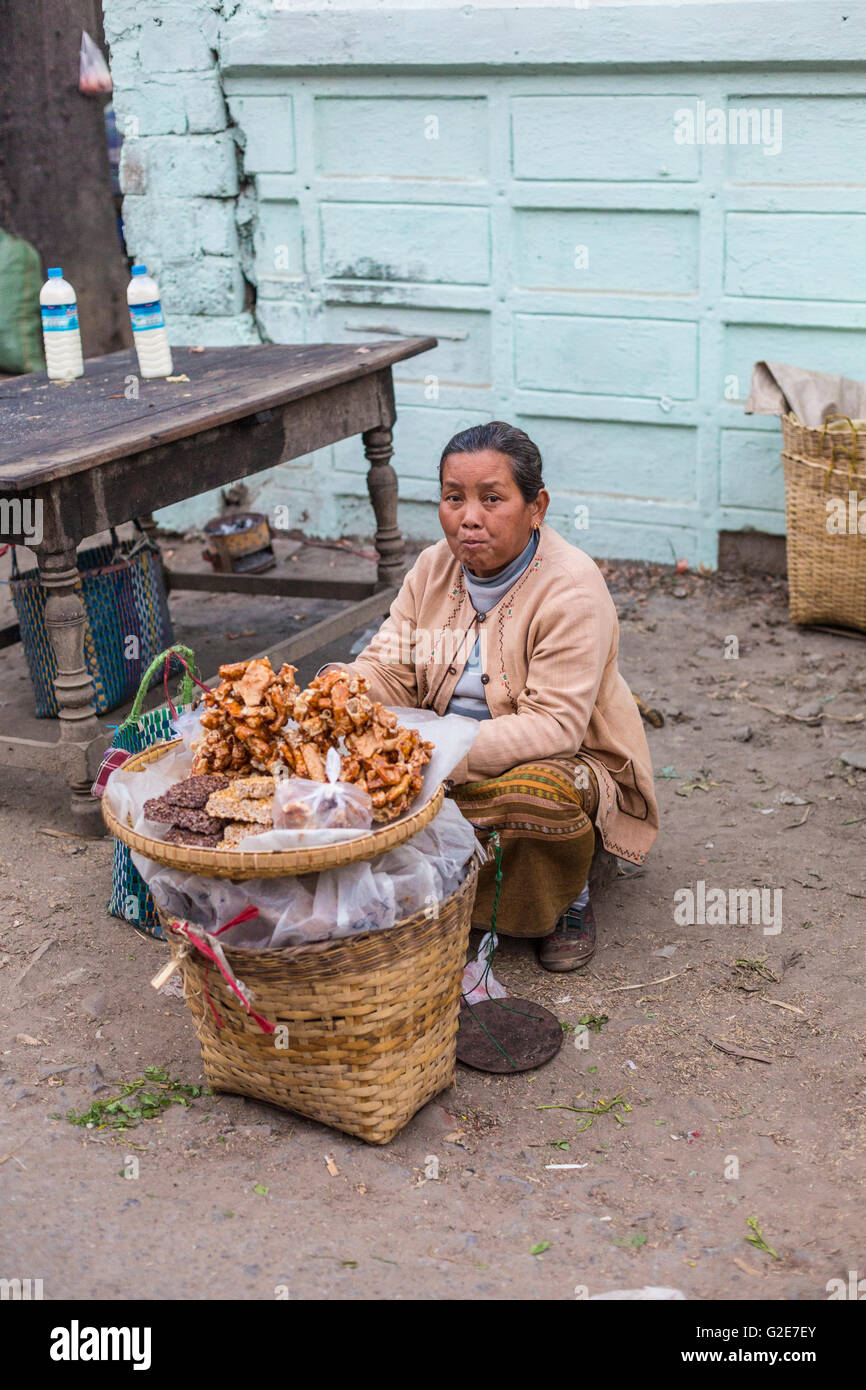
(165, 670)
(197, 937)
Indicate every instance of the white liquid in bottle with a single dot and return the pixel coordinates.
(148, 324)
(63, 356)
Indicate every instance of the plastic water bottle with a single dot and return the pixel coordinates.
(63, 356)
(148, 324)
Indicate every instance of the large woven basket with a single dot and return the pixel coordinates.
(122, 589)
(839, 434)
(366, 1026)
(243, 864)
(826, 555)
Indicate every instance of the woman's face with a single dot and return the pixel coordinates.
(485, 519)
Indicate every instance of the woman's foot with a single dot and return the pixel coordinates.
(571, 944)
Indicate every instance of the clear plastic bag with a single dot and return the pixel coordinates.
(415, 884)
(333, 805)
(94, 79)
(479, 982)
(367, 896)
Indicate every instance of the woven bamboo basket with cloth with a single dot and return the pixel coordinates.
(357, 1033)
(825, 469)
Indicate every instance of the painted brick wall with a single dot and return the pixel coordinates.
(522, 185)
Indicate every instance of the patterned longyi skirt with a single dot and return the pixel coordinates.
(544, 812)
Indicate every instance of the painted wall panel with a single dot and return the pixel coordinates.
(393, 241)
(461, 359)
(821, 349)
(600, 137)
(268, 127)
(606, 250)
(820, 139)
(279, 246)
(606, 356)
(750, 469)
(401, 137)
(606, 459)
(605, 537)
(796, 256)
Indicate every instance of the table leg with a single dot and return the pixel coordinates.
(66, 622)
(382, 486)
(149, 527)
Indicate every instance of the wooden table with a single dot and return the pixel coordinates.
(111, 447)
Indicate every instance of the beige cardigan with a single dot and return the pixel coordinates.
(549, 650)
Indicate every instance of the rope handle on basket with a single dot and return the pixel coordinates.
(185, 695)
(851, 455)
(206, 944)
(16, 568)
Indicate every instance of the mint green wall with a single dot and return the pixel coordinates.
(511, 182)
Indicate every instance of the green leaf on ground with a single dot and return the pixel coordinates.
(757, 1238)
(594, 1022)
(135, 1103)
(603, 1107)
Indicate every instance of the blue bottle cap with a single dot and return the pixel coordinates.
(139, 270)
(55, 273)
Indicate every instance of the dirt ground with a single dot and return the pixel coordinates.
(238, 1199)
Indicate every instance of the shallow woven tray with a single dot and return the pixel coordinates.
(241, 864)
(366, 1026)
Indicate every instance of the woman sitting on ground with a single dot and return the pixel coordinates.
(506, 622)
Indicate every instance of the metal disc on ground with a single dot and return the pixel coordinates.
(508, 1035)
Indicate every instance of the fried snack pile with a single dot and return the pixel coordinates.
(245, 718)
(381, 756)
(260, 721)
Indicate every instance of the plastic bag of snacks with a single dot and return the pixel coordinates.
(331, 805)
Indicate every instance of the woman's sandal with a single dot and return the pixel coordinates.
(571, 944)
